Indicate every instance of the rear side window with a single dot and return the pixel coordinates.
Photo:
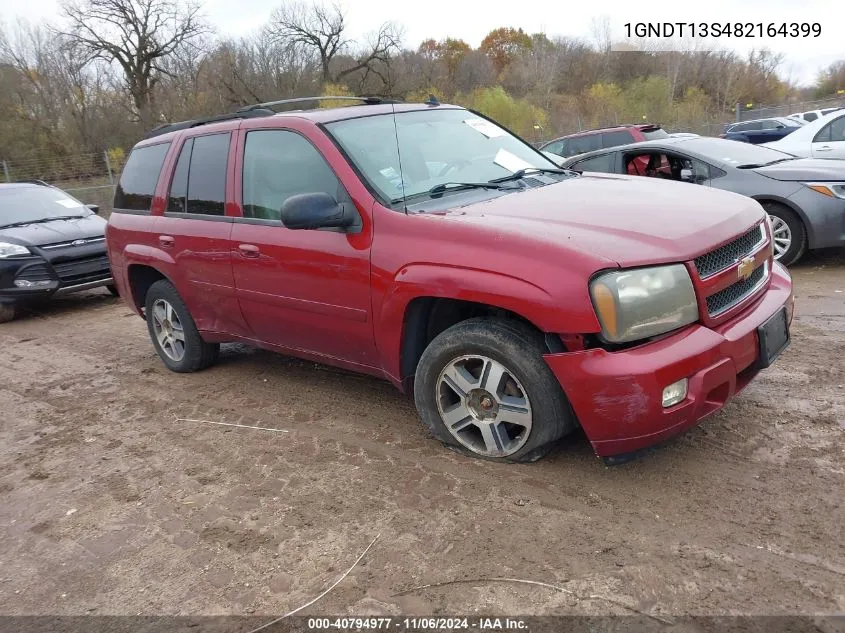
(603, 163)
(614, 139)
(177, 201)
(833, 131)
(138, 181)
(583, 144)
(555, 147)
(279, 164)
(207, 174)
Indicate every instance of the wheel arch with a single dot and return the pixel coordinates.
(798, 211)
(140, 278)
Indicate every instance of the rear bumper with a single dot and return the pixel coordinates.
(617, 395)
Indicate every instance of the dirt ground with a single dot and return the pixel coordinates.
(109, 505)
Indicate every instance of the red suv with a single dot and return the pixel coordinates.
(590, 140)
(426, 245)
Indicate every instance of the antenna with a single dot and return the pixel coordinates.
(399, 156)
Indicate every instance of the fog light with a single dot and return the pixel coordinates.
(26, 283)
(675, 392)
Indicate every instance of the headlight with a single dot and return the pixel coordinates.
(637, 304)
(832, 189)
(12, 250)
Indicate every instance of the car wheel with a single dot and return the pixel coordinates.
(173, 331)
(7, 313)
(113, 289)
(788, 234)
(482, 387)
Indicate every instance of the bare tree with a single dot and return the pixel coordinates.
(321, 30)
(136, 34)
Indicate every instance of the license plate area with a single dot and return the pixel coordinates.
(774, 337)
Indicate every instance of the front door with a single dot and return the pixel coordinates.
(305, 290)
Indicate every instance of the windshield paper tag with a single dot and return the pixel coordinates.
(69, 204)
(511, 162)
(487, 128)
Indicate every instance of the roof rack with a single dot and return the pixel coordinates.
(256, 110)
(268, 104)
(183, 125)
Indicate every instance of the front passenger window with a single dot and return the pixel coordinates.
(279, 164)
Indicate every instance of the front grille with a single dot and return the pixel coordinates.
(81, 242)
(724, 256)
(733, 294)
(82, 271)
(35, 272)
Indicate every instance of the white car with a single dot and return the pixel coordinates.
(812, 115)
(823, 138)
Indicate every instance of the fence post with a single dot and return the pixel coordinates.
(6, 172)
(738, 118)
(108, 166)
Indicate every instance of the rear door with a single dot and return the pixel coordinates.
(195, 231)
(829, 142)
(305, 290)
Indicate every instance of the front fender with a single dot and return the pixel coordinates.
(533, 303)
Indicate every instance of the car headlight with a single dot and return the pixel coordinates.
(12, 250)
(832, 189)
(637, 304)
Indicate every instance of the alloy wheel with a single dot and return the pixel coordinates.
(484, 406)
(168, 330)
(781, 236)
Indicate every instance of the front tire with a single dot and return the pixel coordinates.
(482, 387)
(173, 331)
(788, 233)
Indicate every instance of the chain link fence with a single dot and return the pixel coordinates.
(89, 177)
(745, 113)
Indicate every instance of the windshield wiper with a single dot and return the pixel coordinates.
(522, 173)
(43, 220)
(468, 185)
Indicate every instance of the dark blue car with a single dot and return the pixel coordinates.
(760, 130)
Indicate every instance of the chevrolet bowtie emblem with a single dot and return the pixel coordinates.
(745, 268)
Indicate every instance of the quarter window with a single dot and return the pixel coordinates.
(603, 163)
(138, 181)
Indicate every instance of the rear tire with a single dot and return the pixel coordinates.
(7, 313)
(483, 388)
(787, 226)
(173, 331)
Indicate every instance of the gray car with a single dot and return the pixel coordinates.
(804, 197)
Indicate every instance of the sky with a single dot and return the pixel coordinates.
(471, 20)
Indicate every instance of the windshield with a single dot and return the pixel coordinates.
(735, 153)
(36, 204)
(435, 147)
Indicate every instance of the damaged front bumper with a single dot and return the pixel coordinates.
(617, 396)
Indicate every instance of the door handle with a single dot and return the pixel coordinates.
(824, 148)
(166, 241)
(249, 250)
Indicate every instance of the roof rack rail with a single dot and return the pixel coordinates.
(268, 104)
(33, 181)
(183, 125)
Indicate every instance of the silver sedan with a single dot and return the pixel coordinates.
(804, 197)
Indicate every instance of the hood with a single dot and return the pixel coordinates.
(55, 231)
(630, 220)
(806, 169)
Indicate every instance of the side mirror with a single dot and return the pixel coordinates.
(316, 211)
(94, 207)
(688, 176)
